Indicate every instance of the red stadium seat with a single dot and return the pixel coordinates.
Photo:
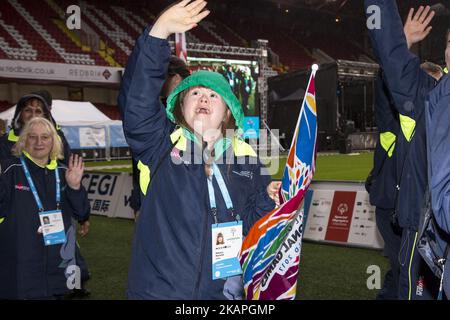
(118, 24)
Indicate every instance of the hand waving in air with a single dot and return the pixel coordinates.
(178, 18)
(417, 25)
(74, 173)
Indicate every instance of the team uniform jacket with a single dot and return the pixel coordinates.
(382, 193)
(28, 268)
(438, 130)
(409, 86)
(438, 134)
(171, 257)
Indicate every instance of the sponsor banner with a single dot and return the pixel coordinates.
(86, 137)
(318, 213)
(59, 71)
(91, 137)
(340, 212)
(95, 136)
(364, 227)
(340, 216)
(103, 191)
(123, 209)
(109, 194)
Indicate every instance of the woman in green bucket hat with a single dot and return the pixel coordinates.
(202, 182)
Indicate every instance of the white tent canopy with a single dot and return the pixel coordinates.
(84, 126)
(67, 112)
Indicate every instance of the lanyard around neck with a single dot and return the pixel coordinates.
(33, 187)
(223, 190)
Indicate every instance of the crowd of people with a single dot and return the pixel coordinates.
(187, 190)
(243, 84)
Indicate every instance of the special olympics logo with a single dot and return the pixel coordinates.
(342, 208)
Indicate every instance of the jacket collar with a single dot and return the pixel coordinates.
(240, 147)
(51, 166)
(12, 136)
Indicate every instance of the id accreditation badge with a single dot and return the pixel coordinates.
(52, 226)
(226, 244)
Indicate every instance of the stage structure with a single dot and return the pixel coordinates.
(253, 62)
(258, 55)
(345, 104)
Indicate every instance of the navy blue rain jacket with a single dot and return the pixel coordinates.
(382, 193)
(171, 255)
(28, 268)
(409, 86)
(438, 137)
(438, 131)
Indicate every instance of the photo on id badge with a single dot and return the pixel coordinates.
(45, 220)
(220, 240)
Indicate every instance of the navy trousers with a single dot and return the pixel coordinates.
(392, 239)
(416, 282)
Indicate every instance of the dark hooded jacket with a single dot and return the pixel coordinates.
(28, 268)
(8, 140)
(382, 192)
(438, 138)
(409, 86)
(172, 247)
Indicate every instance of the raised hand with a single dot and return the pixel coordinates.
(179, 18)
(272, 191)
(417, 25)
(74, 173)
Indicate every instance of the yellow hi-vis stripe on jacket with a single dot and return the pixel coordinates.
(240, 148)
(144, 176)
(12, 136)
(387, 139)
(407, 124)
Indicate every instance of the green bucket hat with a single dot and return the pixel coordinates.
(214, 81)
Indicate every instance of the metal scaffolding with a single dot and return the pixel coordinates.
(260, 54)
